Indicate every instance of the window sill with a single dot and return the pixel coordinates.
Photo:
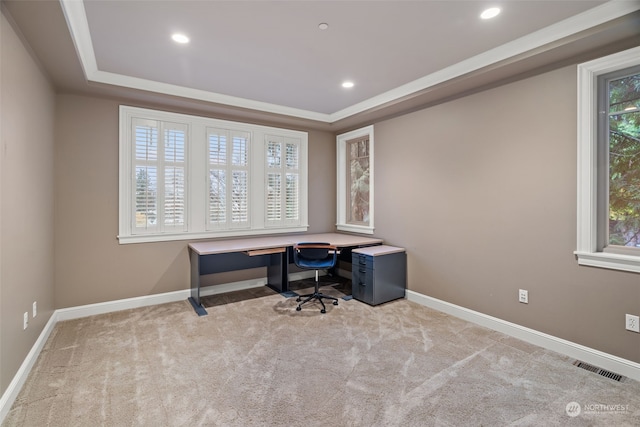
(609, 260)
(151, 238)
(355, 228)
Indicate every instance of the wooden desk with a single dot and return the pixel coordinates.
(272, 252)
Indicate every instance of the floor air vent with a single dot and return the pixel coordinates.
(599, 371)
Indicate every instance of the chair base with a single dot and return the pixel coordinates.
(313, 296)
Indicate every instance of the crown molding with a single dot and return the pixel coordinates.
(76, 18)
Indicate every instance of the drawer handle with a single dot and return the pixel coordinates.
(362, 271)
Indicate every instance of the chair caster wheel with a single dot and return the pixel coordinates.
(298, 299)
(335, 303)
(323, 311)
(298, 308)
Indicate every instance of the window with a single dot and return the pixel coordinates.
(355, 181)
(609, 162)
(159, 165)
(619, 143)
(187, 177)
(283, 180)
(228, 179)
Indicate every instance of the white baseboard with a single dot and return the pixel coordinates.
(144, 301)
(11, 393)
(118, 305)
(594, 357)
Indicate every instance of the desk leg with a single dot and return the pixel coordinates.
(278, 272)
(194, 299)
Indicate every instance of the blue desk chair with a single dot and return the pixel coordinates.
(315, 256)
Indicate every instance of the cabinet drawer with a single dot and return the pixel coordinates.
(362, 284)
(362, 275)
(361, 261)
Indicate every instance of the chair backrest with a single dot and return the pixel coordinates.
(315, 254)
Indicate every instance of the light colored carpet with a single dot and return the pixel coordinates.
(255, 361)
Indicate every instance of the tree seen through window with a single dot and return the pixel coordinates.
(624, 161)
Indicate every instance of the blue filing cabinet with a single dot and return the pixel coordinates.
(378, 274)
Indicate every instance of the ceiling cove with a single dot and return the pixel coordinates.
(76, 18)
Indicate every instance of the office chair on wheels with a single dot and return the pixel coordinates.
(315, 256)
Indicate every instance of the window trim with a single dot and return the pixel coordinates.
(341, 192)
(587, 251)
(196, 178)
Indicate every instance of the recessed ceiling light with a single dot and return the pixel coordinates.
(347, 84)
(180, 38)
(492, 12)
(323, 26)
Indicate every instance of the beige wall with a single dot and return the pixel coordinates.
(482, 193)
(91, 266)
(27, 259)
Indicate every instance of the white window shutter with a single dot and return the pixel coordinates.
(283, 180)
(240, 147)
(174, 170)
(145, 180)
(189, 177)
(228, 166)
(292, 171)
(217, 178)
(159, 183)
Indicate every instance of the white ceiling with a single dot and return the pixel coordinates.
(271, 55)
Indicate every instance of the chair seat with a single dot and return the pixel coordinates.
(315, 263)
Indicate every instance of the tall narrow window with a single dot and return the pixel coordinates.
(228, 155)
(608, 226)
(358, 181)
(282, 180)
(619, 145)
(160, 185)
(355, 181)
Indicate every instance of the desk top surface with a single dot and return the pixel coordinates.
(378, 250)
(254, 243)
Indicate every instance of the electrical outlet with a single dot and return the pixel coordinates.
(523, 296)
(35, 309)
(25, 321)
(632, 323)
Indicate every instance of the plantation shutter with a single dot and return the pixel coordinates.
(159, 179)
(146, 175)
(190, 177)
(292, 194)
(228, 170)
(174, 177)
(282, 180)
